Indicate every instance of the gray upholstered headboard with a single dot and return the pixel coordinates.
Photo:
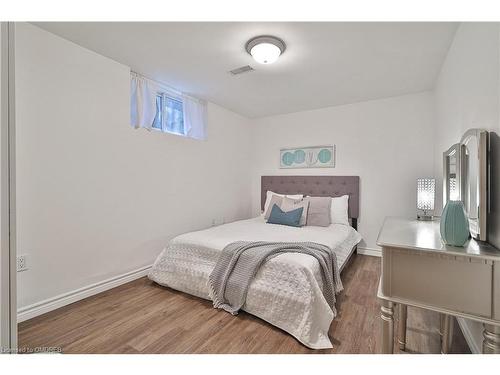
(316, 186)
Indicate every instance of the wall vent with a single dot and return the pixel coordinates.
(243, 69)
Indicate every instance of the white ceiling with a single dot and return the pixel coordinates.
(325, 64)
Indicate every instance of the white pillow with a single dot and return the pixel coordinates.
(339, 210)
(270, 193)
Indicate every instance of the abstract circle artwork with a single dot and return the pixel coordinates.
(324, 155)
(308, 157)
(287, 158)
(300, 156)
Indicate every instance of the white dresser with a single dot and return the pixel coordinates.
(419, 270)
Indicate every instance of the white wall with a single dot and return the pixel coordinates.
(467, 88)
(3, 295)
(96, 198)
(388, 143)
(8, 330)
(467, 96)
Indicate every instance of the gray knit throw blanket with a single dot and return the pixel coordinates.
(240, 261)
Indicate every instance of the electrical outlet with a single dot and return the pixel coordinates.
(218, 221)
(22, 263)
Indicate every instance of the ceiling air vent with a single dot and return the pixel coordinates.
(243, 69)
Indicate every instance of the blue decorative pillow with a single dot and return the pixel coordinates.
(290, 218)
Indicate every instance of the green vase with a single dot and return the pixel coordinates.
(454, 224)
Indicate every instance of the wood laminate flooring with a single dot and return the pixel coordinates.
(143, 317)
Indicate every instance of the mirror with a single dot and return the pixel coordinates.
(451, 166)
(473, 180)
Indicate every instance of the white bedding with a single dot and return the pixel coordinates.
(287, 290)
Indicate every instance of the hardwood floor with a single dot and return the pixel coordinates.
(143, 317)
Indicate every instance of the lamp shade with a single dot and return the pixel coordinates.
(426, 189)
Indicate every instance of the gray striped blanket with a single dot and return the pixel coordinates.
(239, 262)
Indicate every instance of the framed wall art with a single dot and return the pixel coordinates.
(308, 157)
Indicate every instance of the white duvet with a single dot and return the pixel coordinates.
(287, 290)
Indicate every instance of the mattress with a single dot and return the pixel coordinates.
(287, 290)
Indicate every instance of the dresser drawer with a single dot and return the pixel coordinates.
(458, 283)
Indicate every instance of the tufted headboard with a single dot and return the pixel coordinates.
(316, 186)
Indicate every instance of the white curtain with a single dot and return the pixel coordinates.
(142, 102)
(195, 117)
(143, 93)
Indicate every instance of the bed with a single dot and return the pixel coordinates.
(287, 290)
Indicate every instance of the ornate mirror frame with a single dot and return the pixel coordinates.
(451, 174)
(477, 225)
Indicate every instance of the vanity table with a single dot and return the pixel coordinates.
(419, 270)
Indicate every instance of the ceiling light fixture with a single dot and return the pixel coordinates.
(265, 49)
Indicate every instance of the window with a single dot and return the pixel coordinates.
(154, 106)
(169, 115)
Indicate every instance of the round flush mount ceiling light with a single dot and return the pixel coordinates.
(265, 49)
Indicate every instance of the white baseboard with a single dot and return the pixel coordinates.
(474, 345)
(370, 251)
(42, 307)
